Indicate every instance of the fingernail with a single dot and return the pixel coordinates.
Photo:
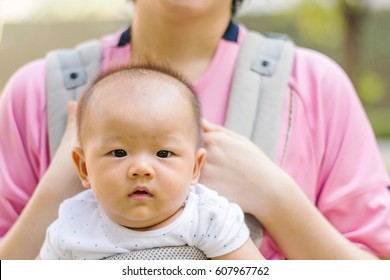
(205, 122)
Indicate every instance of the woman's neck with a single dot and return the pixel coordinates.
(187, 45)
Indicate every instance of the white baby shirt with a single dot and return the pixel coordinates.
(82, 230)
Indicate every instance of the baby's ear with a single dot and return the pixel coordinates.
(199, 158)
(79, 161)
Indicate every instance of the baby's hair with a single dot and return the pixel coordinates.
(138, 70)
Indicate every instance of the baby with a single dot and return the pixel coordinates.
(140, 157)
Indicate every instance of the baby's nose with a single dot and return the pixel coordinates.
(141, 167)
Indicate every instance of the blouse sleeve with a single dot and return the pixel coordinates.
(23, 141)
(352, 181)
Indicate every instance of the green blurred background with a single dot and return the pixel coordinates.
(355, 33)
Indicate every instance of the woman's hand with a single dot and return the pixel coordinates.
(236, 168)
(62, 168)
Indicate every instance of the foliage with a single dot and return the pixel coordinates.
(319, 22)
(379, 119)
(371, 88)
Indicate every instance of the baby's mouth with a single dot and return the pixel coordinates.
(140, 194)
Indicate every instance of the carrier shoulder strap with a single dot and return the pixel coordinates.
(256, 99)
(68, 73)
(258, 88)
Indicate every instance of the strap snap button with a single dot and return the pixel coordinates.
(73, 75)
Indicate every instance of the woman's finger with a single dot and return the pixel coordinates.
(209, 127)
(70, 129)
(72, 108)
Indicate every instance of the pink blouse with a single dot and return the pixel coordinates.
(326, 142)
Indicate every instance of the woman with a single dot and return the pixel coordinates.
(325, 198)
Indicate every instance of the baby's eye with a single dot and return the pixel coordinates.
(163, 154)
(119, 153)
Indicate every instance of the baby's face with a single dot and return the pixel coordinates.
(140, 149)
